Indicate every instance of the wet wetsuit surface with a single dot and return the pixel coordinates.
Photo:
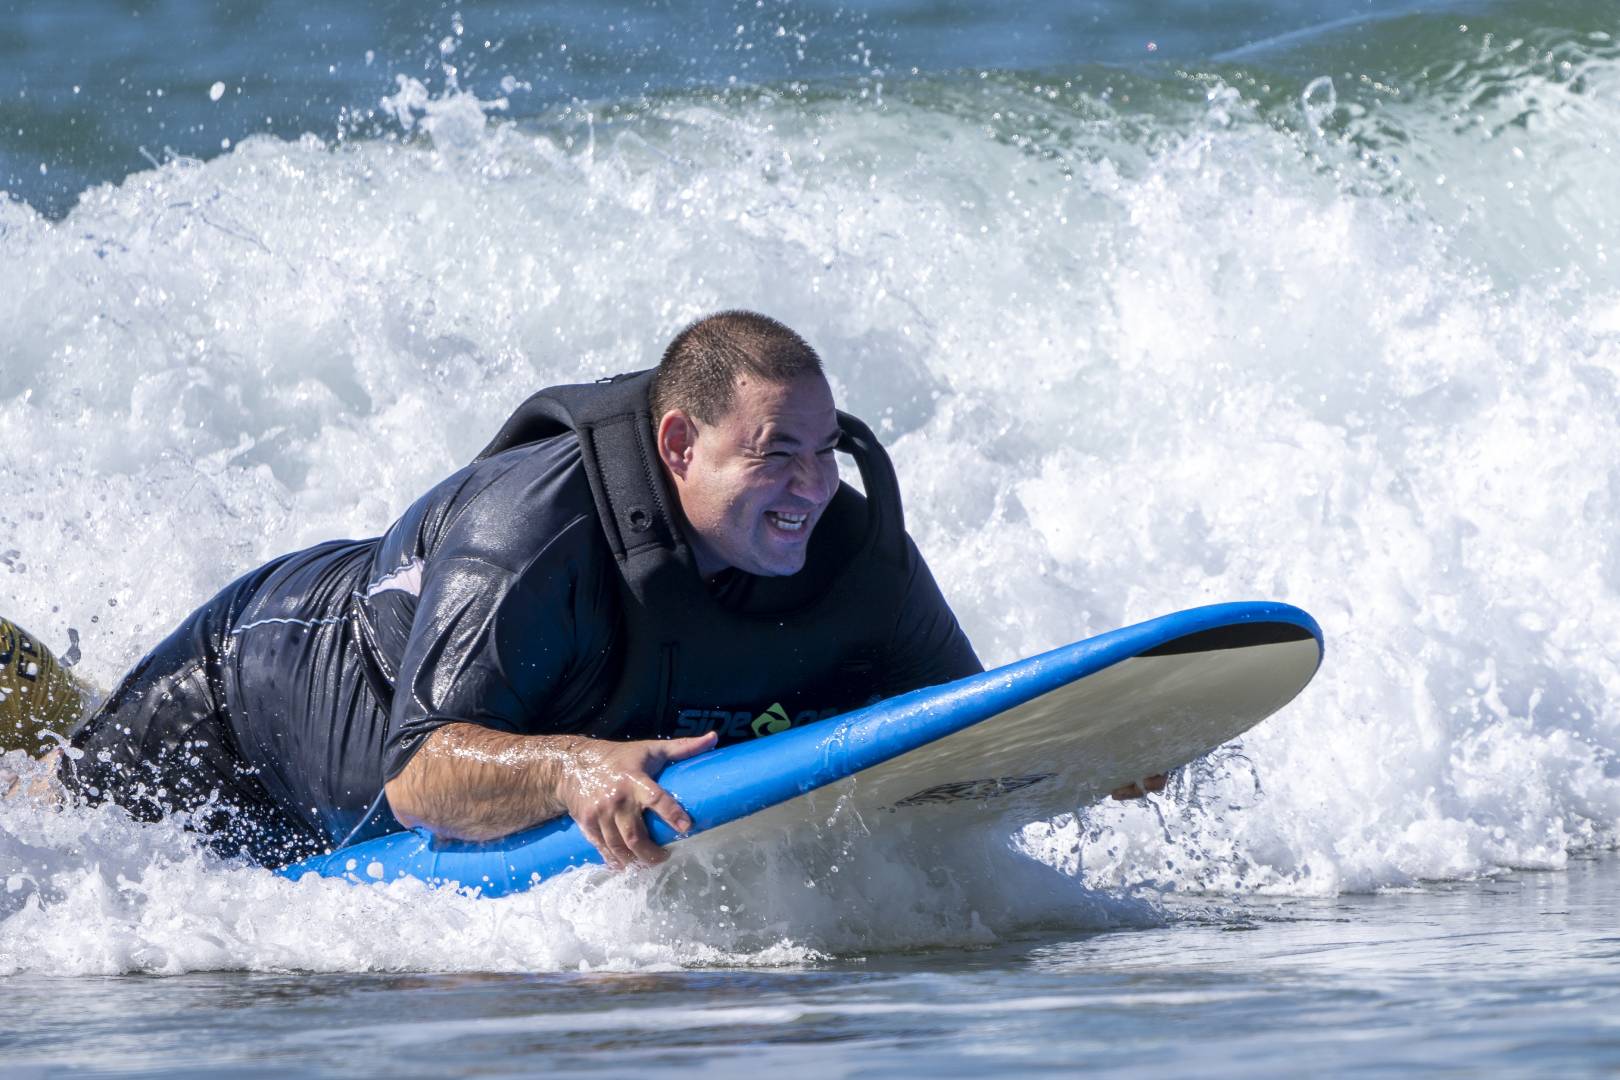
(493, 600)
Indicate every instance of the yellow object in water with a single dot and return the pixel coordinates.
(36, 692)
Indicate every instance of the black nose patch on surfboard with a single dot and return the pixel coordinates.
(1240, 636)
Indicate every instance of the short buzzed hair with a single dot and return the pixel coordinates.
(700, 369)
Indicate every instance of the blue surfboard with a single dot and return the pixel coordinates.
(1036, 738)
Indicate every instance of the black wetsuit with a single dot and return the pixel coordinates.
(277, 711)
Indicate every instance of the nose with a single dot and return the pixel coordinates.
(814, 478)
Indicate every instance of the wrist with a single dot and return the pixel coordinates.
(556, 770)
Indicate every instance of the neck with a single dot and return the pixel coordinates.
(709, 565)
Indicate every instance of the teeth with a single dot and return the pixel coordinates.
(789, 522)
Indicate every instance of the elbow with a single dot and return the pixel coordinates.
(414, 803)
(403, 799)
(410, 796)
(411, 792)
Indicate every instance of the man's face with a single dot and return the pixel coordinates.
(754, 483)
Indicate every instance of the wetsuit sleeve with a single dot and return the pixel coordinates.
(489, 646)
(928, 646)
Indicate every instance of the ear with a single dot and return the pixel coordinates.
(676, 434)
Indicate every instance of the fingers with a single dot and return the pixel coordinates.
(620, 835)
(610, 817)
(662, 802)
(609, 852)
(674, 814)
(607, 837)
(589, 830)
(619, 832)
(632, 826)
(632, 829)
(692, 746)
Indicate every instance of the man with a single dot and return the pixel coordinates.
(630, 574)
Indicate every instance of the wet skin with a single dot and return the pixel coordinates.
(753, 483)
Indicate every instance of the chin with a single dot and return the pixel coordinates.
(778, 569)
(780, 565)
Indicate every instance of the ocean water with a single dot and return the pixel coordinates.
(1155, 305)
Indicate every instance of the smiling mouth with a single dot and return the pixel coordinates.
(785, 522)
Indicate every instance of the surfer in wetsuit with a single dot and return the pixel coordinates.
(510, 649)
(632, 573)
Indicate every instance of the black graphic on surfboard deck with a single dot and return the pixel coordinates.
(964, 790)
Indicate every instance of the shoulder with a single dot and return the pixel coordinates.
(509, 508)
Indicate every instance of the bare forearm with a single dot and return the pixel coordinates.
(471, 783)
